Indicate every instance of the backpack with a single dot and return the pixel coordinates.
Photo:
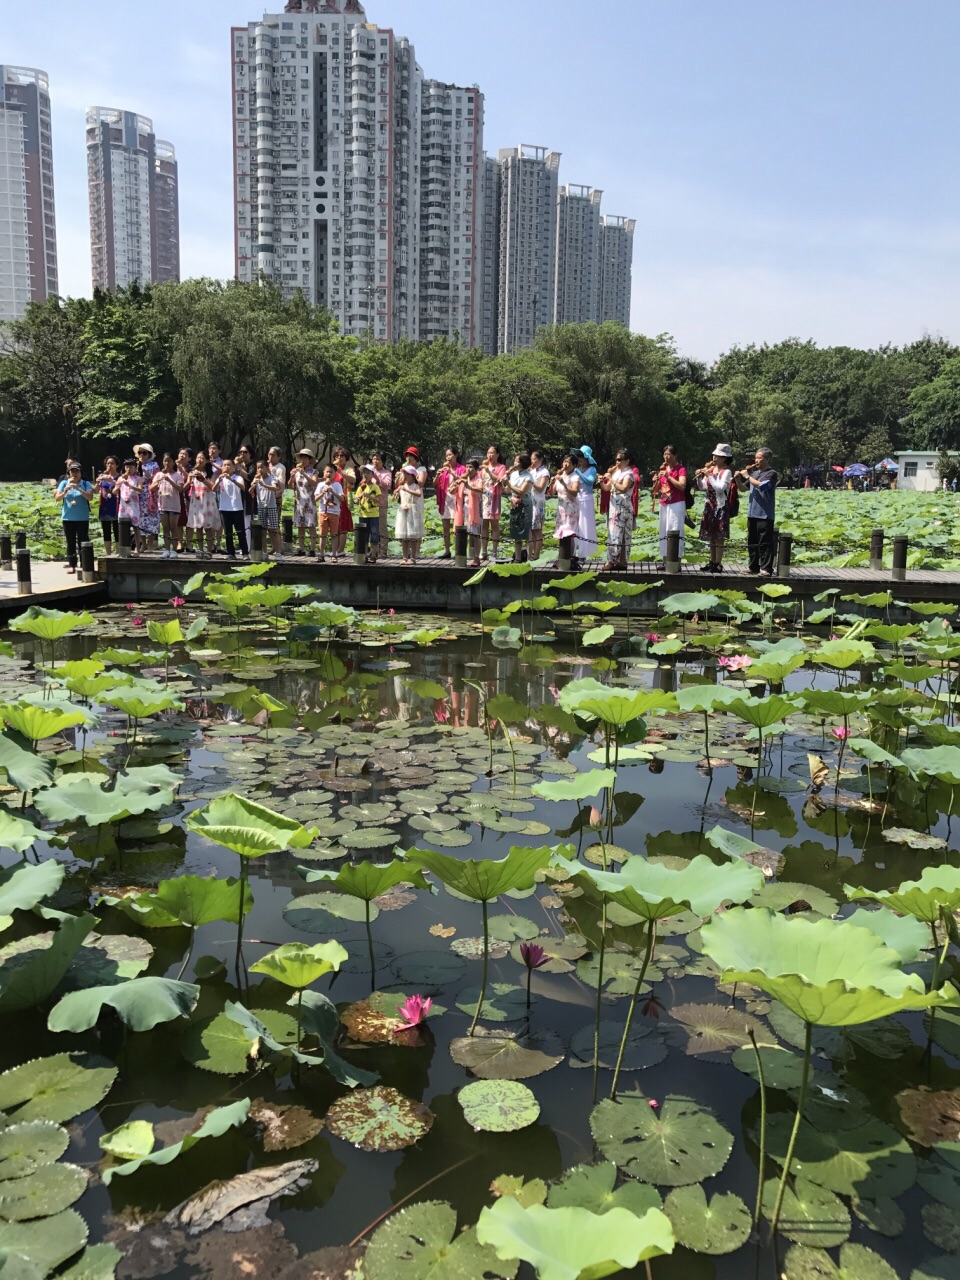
(733, 501)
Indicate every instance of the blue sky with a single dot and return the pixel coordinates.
(789, 163)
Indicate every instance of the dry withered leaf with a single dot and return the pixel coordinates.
(284, 1126)
(442, 930)
(379, 1119)
(218, 1200)
(819, 771)
(169, 1131)
(930, 1116)
(149, 1249)
(261, 1254)
(400, 895)
(337, 1262)
(367, 1025)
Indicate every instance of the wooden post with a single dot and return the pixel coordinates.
(361, 539)
(784, 554)
(124, 537)
(900, 544)
(6, 551)
(672, 560)
(20, 540)
(88, 569)
(565, 554)
(24, 581)
(287, 524)
(460, 543)
(256, 542)
(876, 550)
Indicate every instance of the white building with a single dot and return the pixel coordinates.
(920, 469)
(528, 243)
(28, 226)
(132, 184)
(577, 296)
(351, 171)
(616, 268)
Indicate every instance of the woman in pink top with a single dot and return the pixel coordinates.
(670, 486)
(167, 485)
(468, 505)
(493, 473)
(446, 494)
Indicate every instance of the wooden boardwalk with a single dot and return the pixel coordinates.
(53, 588)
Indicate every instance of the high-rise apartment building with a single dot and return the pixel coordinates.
(528, 243)
(616, 268)
(356, 180)
(488, 265)
(28, 227)
(577, 296)
(132, 185)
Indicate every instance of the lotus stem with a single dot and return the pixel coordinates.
(186, 958)
(646, 1263)
(483, 977)
(763, 1129)
(651, 938)
(706, 738)
(596, 1020)
(238, 960)
(801, 1099)
(299, 1017)
(373, 959)
(756, 781)
(529, 977)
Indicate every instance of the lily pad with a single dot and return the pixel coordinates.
(50, 1189)
(498, 1106)
(721, 1225)
(422, 1241)
(504, 1002)
(716, 1028)
(47, 1242)
(56, 1088)
(868, 1161)
(811, 1214)
(25, 1147)
(645, 1046)
(284, 1127)
(379, 1119)
(930, 1116)
(593, 1187)
(856, 1263)
(500, 1056)
(429, 971)
(883, 1216)
(941, 1225)
(678, 1145)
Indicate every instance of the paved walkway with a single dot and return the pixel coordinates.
(53, 588)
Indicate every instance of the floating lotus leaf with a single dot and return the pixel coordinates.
(323, 912)
(868, 1161)
(220, 1044)
(941, 1225)
(367, 880)
(798, 961)
(29, 978)
(247, 828)
(473, 948)
(652, 890)
(914, 839)
(720, 1226)
(592, 1186)
(504, 1002)
(55, 1088)
(811, 1215)
(429, 971)
(856, 1263)
(129, 1141)
(675, 1146)
(498, 1105)
(883, 1216)
(716, 1028)
(922, 898)
(187, 900)
(487, 879)
(141, 1003)
(43, 1244)
(579, 787)
(509, 928)
(499, 1056)
(49, 1189)
(569, 1243)
(25, 1147)
(297, 965)
(930, 1116)
(284, 1127)
(904, 934)
(99, 1262)
(24, 884)
(134, 791)
(379, 1119)
(525, 1193)
(422, 1241)
(644, 1048)
(781, 1068)
(217, 1122)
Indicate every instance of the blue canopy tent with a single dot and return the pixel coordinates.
(886, 464)
(856, 469)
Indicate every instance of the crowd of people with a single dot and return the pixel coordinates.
(203, 504)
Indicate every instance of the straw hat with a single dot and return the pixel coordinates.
(148, 447)
(306, 453)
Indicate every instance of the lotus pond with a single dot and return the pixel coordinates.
(336, 945)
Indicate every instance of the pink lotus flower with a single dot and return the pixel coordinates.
(737, 662)
(177, 601)
(596, 817)
(653, 1103)
(413, 1011)
(130, 607)
(391, 612)
(533, 957)
(138, 622)
(840, 734)
(652, 637)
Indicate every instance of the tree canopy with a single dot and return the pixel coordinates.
(184, 363)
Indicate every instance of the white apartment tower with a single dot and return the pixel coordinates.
(616, 268)
(577, 297)
(28, 227)
(132, 184)
(352, 172)
(528, 240)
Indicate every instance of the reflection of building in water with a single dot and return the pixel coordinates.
(279, 868)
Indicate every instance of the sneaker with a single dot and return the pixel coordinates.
(445, 555)
(172, 555)
(299, 552)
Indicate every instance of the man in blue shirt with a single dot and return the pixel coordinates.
(761, 479)
(75, 511)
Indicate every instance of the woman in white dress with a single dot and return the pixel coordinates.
(540, 475)
(409, 499)
(587, 529)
